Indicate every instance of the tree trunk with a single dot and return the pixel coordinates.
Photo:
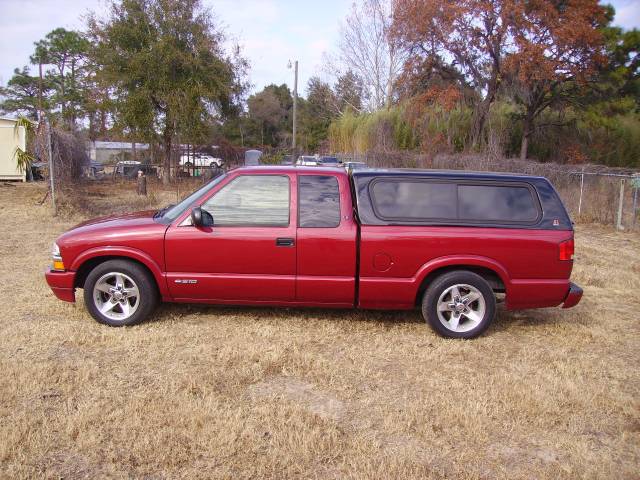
(527, 130)
(524, 145)
(479, 119)
(40, 91)
(482, 110)
(72, 118)
(63, 103)
(103, 123)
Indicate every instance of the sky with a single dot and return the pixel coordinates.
(271, 32)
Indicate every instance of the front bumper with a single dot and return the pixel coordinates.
(573, 296)
(61, 283)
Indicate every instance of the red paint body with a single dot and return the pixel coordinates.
(382, 267)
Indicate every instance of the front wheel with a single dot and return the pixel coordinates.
(120, 293)
(459, 304)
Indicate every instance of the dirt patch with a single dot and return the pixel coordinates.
(294, 390)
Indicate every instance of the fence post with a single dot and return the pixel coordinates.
(635, 183)
(581, 189)
(620, 203)
(141, 187)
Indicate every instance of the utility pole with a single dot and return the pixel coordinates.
(295, 110)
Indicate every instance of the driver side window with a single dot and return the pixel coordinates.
(251, 201)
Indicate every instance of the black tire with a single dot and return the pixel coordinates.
(467, 328)
(146, 287)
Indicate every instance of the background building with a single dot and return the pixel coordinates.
(10, 139)
(112, 152)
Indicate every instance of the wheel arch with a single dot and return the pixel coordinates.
(490, 270)
(89, 259)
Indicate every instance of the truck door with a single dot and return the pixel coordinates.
(327, 236)
(248, 255)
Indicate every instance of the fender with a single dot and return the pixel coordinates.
(453, 260)
(129, 252)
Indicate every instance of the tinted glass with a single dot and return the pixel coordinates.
(496, 203)
(251, 201)
(414, 199)
(319, 201)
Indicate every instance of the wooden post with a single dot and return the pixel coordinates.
(581, 190)
(619, 225)
(636, 187)
(141, 188)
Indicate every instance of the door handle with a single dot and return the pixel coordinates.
(284, 242)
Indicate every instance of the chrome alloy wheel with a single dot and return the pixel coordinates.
(461, 308)
(116, 296)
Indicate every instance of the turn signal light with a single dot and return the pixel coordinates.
(566, 250)
(58, 265)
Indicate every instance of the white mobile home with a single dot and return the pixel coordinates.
(10, 139)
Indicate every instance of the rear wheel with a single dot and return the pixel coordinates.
(119, 293)
(459, 304)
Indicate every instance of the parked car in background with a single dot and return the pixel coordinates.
(200, 160)
(329, 161)
(354, 165)
(308, 161)
(446, 242)
(130, 169)
(286, 160)
(94, 169)
(39, 170)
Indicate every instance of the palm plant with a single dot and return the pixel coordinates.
(24, 159)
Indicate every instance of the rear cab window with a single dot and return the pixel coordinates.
(416, 200)
(500, 203)
(318, 201)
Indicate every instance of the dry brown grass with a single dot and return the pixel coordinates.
(208, 392)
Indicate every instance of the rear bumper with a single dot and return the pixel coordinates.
(61, 284)
(573, 296)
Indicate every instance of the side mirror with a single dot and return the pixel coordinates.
(201, 218)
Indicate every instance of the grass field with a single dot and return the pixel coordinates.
(209, 392)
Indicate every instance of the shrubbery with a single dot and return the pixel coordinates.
(584, 136)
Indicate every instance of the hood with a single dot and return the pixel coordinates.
(113, 230)
(117, 220)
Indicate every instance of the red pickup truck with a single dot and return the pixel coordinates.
(447, 242)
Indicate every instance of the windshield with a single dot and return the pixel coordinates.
(169, 214)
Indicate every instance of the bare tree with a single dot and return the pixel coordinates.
(367, 48)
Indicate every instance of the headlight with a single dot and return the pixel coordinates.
(58, 265)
